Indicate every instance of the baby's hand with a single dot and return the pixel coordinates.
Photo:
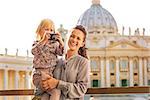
(45, 37)
(59, 38)
(45, 76)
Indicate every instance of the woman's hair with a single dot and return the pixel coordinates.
(45, 23)
(82, 50)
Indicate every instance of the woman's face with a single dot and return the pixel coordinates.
(76, 40)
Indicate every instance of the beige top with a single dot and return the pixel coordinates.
(74, 77)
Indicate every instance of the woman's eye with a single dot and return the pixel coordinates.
(72, 36)
(78, 38)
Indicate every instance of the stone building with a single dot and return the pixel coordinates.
(15, 73)
(116, 59)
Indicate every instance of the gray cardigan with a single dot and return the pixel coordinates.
(74, 77)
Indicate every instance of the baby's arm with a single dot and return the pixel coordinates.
(59, 49)
(36, 48)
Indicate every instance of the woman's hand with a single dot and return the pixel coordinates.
(50, 83)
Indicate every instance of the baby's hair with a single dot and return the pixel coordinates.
(45, 23)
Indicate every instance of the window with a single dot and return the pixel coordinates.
(112, 85)
(124, 64)
(94, 65)
(95, 74)
(112, 65)
(124, 82)
(95, 83)
(135, 73)
(149, 82)
(135, 64)
(135, 84)
(112, 74)
(149, 63)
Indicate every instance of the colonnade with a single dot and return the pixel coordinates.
(105, 71)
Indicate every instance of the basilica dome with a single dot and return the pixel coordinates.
(96, 19)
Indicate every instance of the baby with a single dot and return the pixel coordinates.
(46, 50)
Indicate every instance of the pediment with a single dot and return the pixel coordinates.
(125, 45)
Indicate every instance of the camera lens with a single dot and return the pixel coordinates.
(53, 36)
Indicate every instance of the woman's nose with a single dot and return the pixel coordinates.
(74, 39)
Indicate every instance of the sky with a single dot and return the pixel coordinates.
(19, 18)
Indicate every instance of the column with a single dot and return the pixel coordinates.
(140, 72)
(117, 73)
(102, 73)
(107, 73)
(145, 72)
(16, 79)
(16, 83)
(28, 80)
(131, 71)
(5, 81)
(28, 83)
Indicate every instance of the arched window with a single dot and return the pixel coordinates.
(94, 64)
(112, 65)
(148, 66)
(123, 64)
(135, 64)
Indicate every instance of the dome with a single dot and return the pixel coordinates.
(96, 19)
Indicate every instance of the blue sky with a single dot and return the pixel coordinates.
(20, 18)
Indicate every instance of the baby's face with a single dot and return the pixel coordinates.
(47, 31)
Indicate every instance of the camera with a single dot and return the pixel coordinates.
(53, 36)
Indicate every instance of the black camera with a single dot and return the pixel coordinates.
(53, 36)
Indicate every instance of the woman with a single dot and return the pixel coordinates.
(73, 73)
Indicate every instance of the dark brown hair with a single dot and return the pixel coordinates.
(82, 50)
